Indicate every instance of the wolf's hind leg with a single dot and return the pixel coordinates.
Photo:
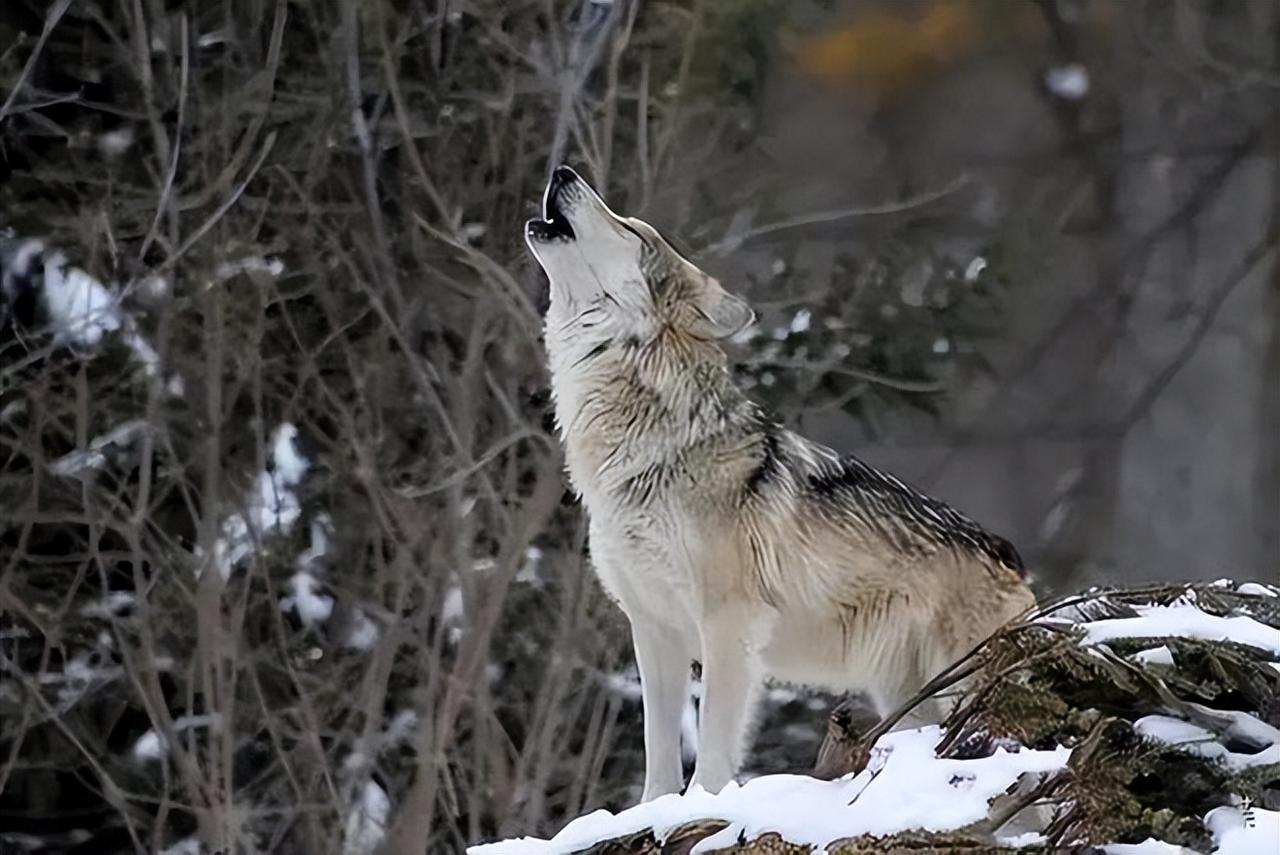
(663, 662)
(732, 675)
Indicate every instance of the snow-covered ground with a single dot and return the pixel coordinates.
(907, 787)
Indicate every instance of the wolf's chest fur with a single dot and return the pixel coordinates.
(639, 431)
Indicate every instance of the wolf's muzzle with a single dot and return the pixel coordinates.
(554, 225)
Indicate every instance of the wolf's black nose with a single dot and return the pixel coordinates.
(554, 223)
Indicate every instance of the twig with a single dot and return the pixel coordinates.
(860, 373)
(164, 205)
(1260, 255)
(577, 68)
(203, 229)
(731, 242)
(51, 19)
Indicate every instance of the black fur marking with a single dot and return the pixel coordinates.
(594, 352)
(771, 462)
(1008, 556)
(900, 512)
(643, 487)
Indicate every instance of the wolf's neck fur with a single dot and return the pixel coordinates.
(627, 406)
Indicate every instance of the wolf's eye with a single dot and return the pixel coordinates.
(635, 231)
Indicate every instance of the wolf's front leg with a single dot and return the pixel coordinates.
(663, 662)
(731, 679)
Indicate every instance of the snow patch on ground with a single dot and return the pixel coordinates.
(1237, 832)
(1150, 846)
(905, 786)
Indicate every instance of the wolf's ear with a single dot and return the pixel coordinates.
(720, 314)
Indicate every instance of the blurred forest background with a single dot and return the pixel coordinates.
(287, 562)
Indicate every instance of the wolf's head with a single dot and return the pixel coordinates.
(619, 275)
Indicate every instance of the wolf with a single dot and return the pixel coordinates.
(725, 537)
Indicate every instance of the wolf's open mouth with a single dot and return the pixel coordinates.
(554, 224)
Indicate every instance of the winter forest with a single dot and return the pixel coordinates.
(288, 559)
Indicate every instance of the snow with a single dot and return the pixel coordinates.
(1018, 841)
(974, 268)
(1187, 621)
(362, 634)
(81, 310)
(290, 465)
(109, 606)
(800, 323)
(250, 264)
(305, 599)
(1150, 846)
(142, 351)
(452, 610)
(153, 286)
(905, 786)
(1161, 655)
(366, 824)
(94, 457)
(1256, 590)
(81, 675)
(311, 606)
(530, 568)
(1242, 726)
(1204, 743)
(1069, 82)
(321, 530)
(26, 253)
(185, 846)
(149, 747)
(153, 746)
(625, 684)
(115, 143)
(1237, 832)
(400, 728)
(271, 505)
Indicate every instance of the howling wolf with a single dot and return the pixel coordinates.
(725, 537)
